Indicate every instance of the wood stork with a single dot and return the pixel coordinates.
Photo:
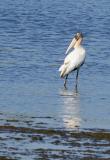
(74, 60)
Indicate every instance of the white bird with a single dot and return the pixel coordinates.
(74, 60)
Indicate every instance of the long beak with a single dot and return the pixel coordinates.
(71, 45)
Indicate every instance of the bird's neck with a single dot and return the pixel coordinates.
(78, 43)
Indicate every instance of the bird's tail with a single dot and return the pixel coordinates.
(62, 71)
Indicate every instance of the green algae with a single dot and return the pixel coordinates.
(94, 135)
(5, 158)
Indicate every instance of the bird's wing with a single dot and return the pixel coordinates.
(68, 58)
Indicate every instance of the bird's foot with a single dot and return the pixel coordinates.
(65, 86)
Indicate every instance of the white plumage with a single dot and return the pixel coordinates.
(74, 59)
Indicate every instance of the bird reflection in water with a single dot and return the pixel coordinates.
(71, 108)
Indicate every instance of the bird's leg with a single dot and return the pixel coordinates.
(77, 78)
(65, 81)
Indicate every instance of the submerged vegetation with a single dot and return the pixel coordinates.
(51, 143)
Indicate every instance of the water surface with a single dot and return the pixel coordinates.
(35, 110)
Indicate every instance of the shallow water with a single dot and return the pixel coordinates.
(38, 118)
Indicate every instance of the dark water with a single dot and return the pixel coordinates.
(38, 118)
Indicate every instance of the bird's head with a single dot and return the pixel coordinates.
(76, 41)
(78, 36)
